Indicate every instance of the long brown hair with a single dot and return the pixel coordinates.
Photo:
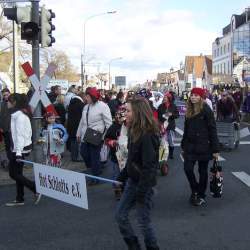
(192, 109)
(144, 121)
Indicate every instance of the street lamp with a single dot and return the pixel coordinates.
(83, 56)
(114, 59)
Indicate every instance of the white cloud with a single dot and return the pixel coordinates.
(148, 38)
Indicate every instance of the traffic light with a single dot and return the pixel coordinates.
(18, 14)
(47, 27)
(22, 15)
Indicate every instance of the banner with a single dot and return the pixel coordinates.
(61, 184)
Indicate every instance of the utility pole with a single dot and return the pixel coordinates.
(15, 58)
(36, 124)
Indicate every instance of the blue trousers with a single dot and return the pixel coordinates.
(91, 156)
(143, 214)
(74, 146)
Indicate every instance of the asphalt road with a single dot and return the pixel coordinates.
(223, 224)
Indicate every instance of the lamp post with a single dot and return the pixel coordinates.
(83, 56)
(114, 59)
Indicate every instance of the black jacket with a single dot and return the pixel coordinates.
(142, 162)
(114, 106)
(5, 116)
(200, 139)
(74, 115)
(171, 120)
(113, 133)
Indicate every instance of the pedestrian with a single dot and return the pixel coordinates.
(60, 109)
(96, 118)
(226, 109)
(70, 94)
(111, 139)
(5, 116)
(167, 113)
(53, 138)
(75, 108)
(54, 92)
(21, 134)
(199, 144)
(139, 174)
(114, 104)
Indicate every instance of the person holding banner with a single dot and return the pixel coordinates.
(21, 134)
(139, 174)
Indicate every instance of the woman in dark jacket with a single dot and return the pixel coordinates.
(199, 143)
(139, 173)
(75, 108)
(168, 111)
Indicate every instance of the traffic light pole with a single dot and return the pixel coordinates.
(36, 124)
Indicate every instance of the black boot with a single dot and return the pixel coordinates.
(133, 244)
(171, 152)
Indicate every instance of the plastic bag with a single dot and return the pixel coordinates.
(104, 153)
(163, 150)
(216, 180)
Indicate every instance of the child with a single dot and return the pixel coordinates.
(54, 136)
(111, 139)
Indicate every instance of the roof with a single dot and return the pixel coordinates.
(209, 64)
(5, 61)
(195, 65)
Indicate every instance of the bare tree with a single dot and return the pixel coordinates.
(65, 69)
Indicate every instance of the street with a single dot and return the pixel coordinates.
(222, 224)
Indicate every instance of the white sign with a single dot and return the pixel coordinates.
(61, 184)
(64, 84)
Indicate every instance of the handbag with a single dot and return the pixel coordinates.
(216, 180)
(92, 136)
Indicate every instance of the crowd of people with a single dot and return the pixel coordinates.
(131, 127)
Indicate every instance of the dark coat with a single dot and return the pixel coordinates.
(200, 139)
(5, 116)
(142, 162)
(171, 120)
(74, 115)
(227, 109)
(114, 106)
(113, 133)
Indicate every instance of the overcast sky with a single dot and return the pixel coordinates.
(150, 35)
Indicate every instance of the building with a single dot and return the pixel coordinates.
(230, 49)
(173, 80)
(198, 71)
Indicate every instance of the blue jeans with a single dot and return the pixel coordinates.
(143, 214)
(91, 156)
(115, 170)
(74, 147)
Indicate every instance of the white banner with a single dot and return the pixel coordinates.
(61, 184)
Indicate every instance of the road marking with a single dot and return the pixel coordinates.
(244, 177)
(244, 142)
(244, 132)
(179, 131)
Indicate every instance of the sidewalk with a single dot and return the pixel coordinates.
(28, 170)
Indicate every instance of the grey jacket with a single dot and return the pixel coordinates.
(99, 118)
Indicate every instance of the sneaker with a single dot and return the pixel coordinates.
(200, 201)
(37, 198)
(14, 203)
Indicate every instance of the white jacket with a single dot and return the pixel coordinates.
(21, 133)
(99, 119)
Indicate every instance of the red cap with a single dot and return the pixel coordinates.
(198, 91)
(93, 92)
